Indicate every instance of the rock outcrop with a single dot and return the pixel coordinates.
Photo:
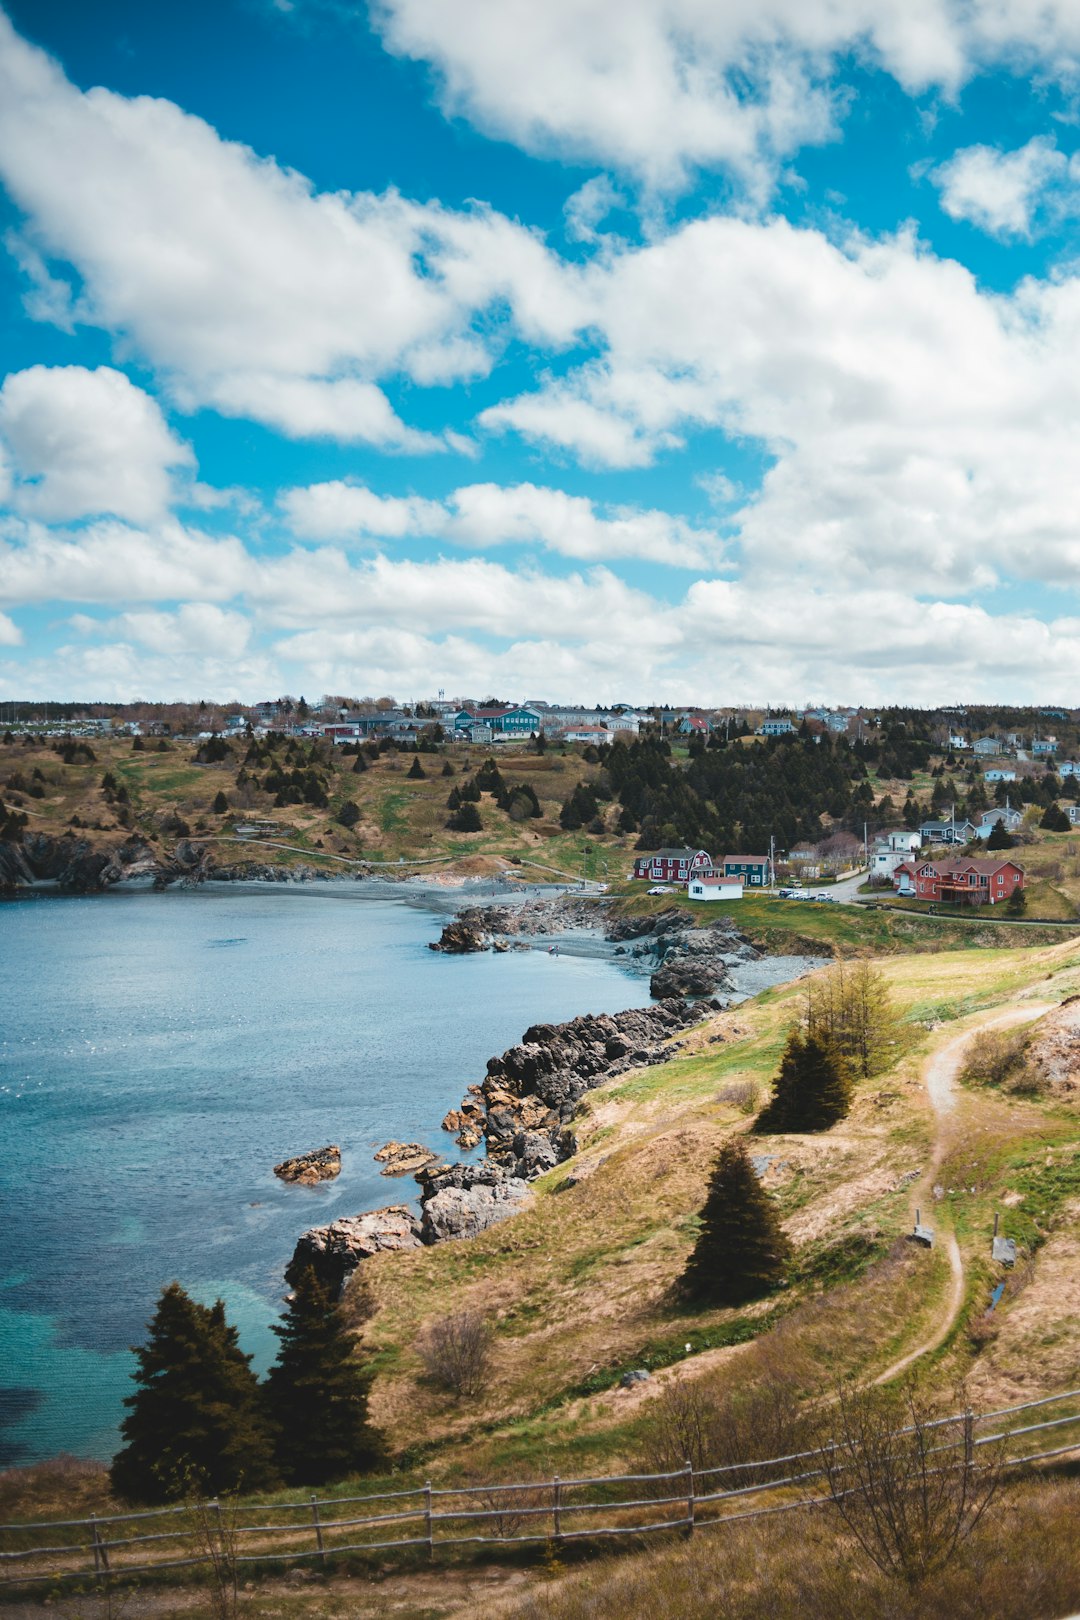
(404, 1158)
(460, 936)
(460, 1200)
(333, 1252)
(532, 1091)
(321, 1164)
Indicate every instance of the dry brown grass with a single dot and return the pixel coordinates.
(1021, 1563)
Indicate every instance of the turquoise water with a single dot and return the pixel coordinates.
(159, 1053)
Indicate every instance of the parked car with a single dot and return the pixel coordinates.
(660, 888)
(786, 894)
(829, 899)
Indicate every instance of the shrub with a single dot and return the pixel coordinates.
(456, 1352)
(999, 1057)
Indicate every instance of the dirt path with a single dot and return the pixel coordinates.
(939, 1075)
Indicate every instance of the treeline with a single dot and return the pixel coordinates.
(200, 1422)
(733, 798)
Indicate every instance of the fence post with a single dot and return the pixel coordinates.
(318, 1528)
(969, 1437)
(427, 1519)
(690, 1497)
(556, 1509)
(101, 1553)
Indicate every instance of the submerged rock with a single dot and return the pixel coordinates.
(321, 1164)
(333, 1252)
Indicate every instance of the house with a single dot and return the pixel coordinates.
(586, 734)
(1068, 767)
(775, 728)
(987, 747)
(503, 719)
(1010, 819)
(999, 776)
(755, 870)
(693, 725)
(965, 881)
(956, 742)
(891, 850)
(1073, 813)
(714, 888)
(1043, 746)
(946, 832)
(674, 865)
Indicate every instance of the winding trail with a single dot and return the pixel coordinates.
(939, 1076)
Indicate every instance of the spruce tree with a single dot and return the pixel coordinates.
(416, 771)
(812, 1090)
(1000, 838)
(317, 1392)
(195, 1420)
(1054, 819)
(741, 1252)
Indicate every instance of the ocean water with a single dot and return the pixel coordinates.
(159, 1053)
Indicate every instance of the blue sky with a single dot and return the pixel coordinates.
(610, 349)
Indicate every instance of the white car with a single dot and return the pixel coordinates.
(659, 888)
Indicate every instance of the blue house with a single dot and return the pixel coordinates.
(753, 869)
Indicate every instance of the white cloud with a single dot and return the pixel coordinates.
(242, 286)
(658, 87)
(338, 510)
(10, 634)
(998, 191)
(920, 429)
(484, 515)
(195, 629)
(87, 442)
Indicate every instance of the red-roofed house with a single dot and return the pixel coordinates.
(976, 882)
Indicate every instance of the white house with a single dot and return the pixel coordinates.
(999, 776)
(775, 728)
(715, 888)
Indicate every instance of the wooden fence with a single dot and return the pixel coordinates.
(426, 1519)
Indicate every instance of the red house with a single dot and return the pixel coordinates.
(673, 865)
(976, 882)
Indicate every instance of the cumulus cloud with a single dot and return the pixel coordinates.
(484, 515)
(242, 286)
(659, 87)
(87, 442)
(1001, 192)
(918, 427)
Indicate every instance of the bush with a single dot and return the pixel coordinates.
(1000, 1058)
(456, 1352)
(349, 814)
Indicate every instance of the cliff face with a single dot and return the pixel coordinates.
(72, 863)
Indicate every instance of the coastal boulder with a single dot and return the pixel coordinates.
(403, 1158)
(462, 1212)
(460, 936)
(333, 1252)
(321, 1164)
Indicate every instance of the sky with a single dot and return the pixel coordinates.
(688, 351)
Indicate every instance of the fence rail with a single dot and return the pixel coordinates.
(498, 1514)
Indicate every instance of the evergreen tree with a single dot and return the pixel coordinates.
(813, 1089)
(360, 766)
(317, 1392)
(741, 1252)
(220, 805)
(1000, 837)
(467, 819)
(448, 769)
(195, 1420)
(1054, 819)
(416, 772)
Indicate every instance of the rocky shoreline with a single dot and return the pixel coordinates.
(523, 1111)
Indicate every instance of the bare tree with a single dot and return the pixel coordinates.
(909, 1487)
(456, 1352)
